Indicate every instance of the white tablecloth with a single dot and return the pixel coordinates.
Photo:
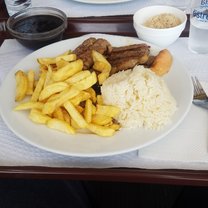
(184, 148)
(78, 9)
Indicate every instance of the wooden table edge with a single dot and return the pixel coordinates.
(159, 176)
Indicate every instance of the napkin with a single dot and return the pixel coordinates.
(183, 148)
(189, 141)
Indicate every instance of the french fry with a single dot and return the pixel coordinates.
(66, 115)
(21, 85)
(100, 62)
(46, 61)
(75, 115)
(79, 108)
(48, 79)
(92, 93)
(93, 109)
(101, 130)
(87, 82)
(99, 99)
(78, 76)
(101, 119)
(62, 97)
(31, 81)
(74, 124)
(54, 97)
(43, 68)
(67, 71)
(29, 105)
(88, 111)
(67, 57)
(103, 76)
(65, 95)
(99, 66)
(60, 125)
(52, 89)
(39, 87)
(82, 96)
(38, 117)
(115, 126)
(108, 110)
(58, 113)
(61, 63)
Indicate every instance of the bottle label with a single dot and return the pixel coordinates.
(204, 3)
(201, 12)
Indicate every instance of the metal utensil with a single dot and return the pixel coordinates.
(200, 97)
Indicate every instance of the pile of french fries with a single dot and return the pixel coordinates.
(60, 95)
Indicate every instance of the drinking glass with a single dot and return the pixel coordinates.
(14, 6)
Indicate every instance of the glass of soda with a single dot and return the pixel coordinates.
(14, 6)
(198, 35)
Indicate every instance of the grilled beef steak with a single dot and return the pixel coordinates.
(126, 57)
(84, 51)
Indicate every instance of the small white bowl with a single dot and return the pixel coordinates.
(160, 37)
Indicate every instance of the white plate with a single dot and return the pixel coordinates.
(90, 145)
(102, 1)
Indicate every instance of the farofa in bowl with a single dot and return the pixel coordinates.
(162, 21)
(159, 30)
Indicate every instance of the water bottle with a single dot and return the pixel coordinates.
(198, 36)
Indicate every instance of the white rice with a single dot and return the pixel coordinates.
(143, 97)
